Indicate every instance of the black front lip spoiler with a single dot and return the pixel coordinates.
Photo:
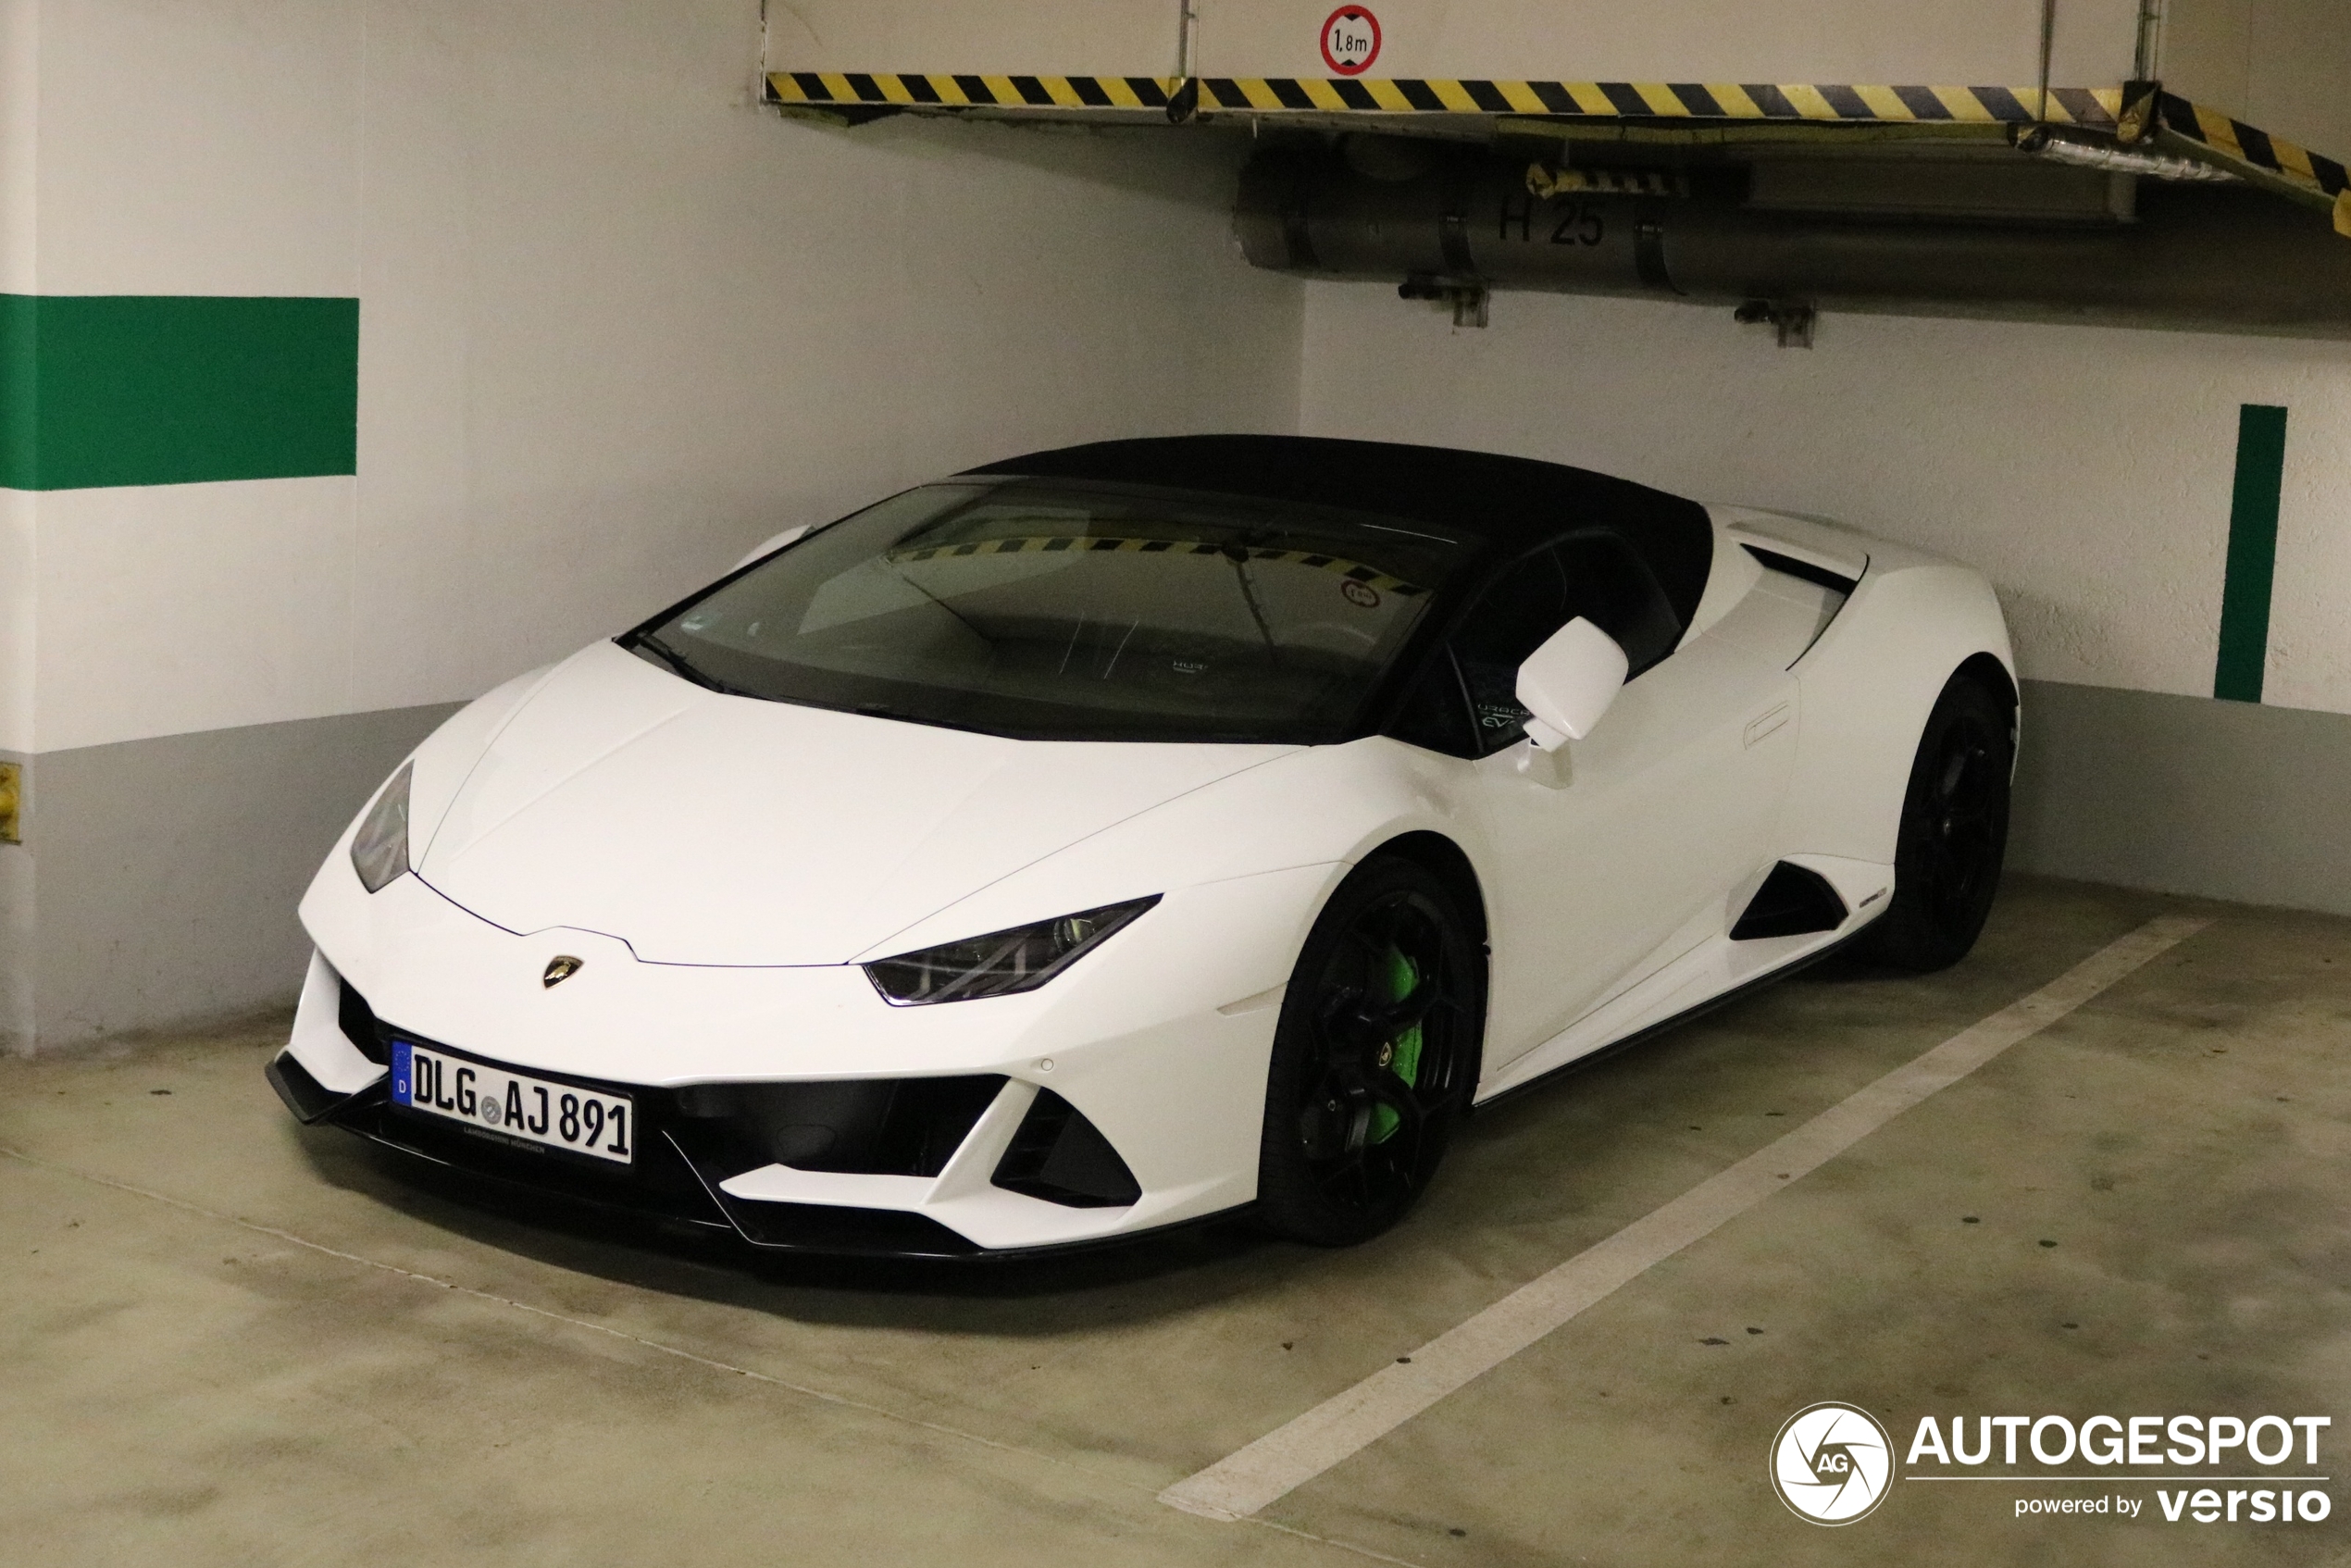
(310, 1100)
(715, 1227)
(811, 1230)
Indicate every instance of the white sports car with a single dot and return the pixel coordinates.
(1125, 835)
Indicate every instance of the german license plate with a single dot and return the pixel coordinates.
(512, 1104)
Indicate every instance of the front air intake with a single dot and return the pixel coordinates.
(1060, 1156)
(359, 1025)
(869, 1126)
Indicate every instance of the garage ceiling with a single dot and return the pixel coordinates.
(1817, 187)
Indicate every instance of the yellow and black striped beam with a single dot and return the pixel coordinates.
(2094, 107)
(908, 90)
(2234, 143)
(2133, 112)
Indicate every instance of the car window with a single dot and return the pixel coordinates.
(1067, 611)
(1613, 589)
(1466, 703)
(1511, 619)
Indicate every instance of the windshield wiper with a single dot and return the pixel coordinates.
(679, 664)
(897, 715)
(1238, 557)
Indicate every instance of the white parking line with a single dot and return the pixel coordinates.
(1241, 1483)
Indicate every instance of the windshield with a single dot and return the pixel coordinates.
(1065, 611)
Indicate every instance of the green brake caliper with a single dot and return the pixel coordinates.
(1400, 1055)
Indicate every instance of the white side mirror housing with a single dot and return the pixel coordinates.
(772, 545)
(1569, 682)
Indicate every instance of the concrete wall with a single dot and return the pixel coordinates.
(2087, 471)
(17, 934)
(617, 324)
(169, 867)
(2183, 794)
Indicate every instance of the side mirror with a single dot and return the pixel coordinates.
(770, 546)
(1569, 682)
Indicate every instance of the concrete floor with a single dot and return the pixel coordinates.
(230, 1340)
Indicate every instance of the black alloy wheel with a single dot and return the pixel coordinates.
(1954, 832)
(1374, 1057)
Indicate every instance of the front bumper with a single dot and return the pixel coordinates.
(665, 1185)
(1125, 1097)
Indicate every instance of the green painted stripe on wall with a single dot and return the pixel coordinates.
(2253, 553)
(101, 390)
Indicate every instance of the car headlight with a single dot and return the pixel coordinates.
(380, 850)
(1000, 963)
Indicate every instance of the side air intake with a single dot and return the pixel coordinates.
(1060, 1156)
(1793, 902)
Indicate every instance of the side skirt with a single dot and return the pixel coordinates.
(1647, 1032)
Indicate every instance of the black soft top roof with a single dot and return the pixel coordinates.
(1512, 502)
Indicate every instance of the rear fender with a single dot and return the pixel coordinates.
(1867, 687)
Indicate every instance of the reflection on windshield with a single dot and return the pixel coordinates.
(1049, 610)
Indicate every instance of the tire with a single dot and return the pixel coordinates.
(1375, 1058)
(1954, 833)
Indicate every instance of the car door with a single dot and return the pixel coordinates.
(1609, 860)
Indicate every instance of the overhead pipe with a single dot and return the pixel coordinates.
(1458, 223)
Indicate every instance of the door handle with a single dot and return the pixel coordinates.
(1765, 722)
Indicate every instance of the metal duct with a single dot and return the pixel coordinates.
(2179, 255)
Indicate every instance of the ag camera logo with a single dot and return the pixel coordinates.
(1832, 1463)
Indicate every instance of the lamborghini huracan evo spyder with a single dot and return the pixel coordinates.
(1122, 835)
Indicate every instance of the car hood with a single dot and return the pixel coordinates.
(710, 829)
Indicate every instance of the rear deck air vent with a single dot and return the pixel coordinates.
(1819, 577)
(1793, 902)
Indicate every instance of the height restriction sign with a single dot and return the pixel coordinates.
(1350, 40)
